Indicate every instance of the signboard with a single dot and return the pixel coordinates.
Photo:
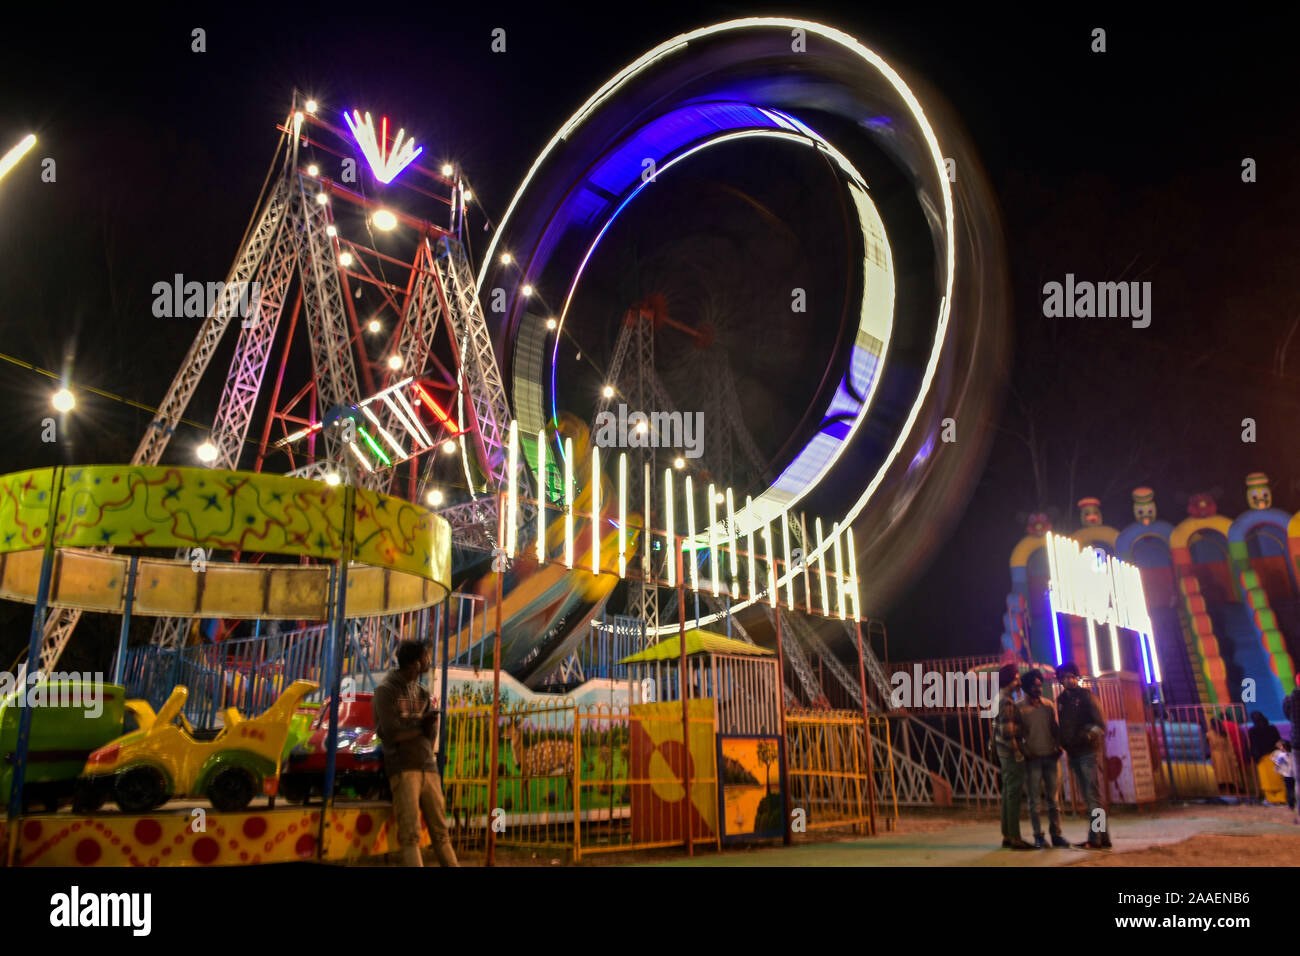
(1087, 582)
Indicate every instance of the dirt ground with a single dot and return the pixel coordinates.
(1256, 846)
(1194, 834)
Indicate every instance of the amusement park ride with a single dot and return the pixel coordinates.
(376, 378)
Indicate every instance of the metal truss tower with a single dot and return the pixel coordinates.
(295, 234)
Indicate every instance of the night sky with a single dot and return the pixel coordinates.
(1117, 166)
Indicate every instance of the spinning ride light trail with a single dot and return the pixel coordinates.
(570, 198)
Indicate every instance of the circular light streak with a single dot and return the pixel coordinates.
(848, 81)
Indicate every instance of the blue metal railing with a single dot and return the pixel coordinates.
(249, 673)
(615, 637)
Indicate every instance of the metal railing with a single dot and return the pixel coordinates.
(579, 777)
(249, 673)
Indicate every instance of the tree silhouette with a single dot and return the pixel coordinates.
(766, 755)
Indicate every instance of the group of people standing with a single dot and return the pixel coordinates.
(1029, 737)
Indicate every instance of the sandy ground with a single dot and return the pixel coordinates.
(1183, 835)
(1173, 836)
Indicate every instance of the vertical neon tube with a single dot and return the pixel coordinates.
(821, 568)
(839, 573)
(1155, 660)
(690, 533)
(713, 538)
(785, 547)
(568, 502)
(1138, 598)
(1146, 664)
(853, 576)
(1113, 572)
(731, 542)
(645, 528)
(749, 545)
(670, 528)
(807, 574)
(541, 495)
(1093, 657)
(622, 515)
(595, 509)
(1053, 582)
(512, 492)
(771, 563)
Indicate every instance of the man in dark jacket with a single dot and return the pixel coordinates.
(1007, 734)
(1042, 748)
(1082, 728)
(405, 719)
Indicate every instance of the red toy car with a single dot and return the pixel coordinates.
(358, 763)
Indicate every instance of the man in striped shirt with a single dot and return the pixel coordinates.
(1008, 733)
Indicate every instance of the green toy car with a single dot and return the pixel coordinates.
(70, 718)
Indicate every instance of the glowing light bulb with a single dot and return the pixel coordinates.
(207, 452)
(322, 198)
(434, 497)
(448, 169)
(374, 325)
(469, 196)
(384, 220)
(394, 362)
(345, 259)
(608, 391)
(332, 478)
(311, 107)
(719, 497)
(679, 463)
(449, 446)
(642, 427)
(552, 324)
(331, 230)
(506, 258)
(313, 170)
(64, 400)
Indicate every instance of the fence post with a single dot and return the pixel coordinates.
(577, 784)
(683, 689)
(33, 660)
(783, 774)
(119, 666)
(494, 742)
(866, 736)
(445, 625)
(337, 628)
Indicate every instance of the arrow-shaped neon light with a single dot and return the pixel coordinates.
(384, 164)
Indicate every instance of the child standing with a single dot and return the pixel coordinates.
(1282, 761)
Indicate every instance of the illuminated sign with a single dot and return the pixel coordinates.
(385, 164)
(1089, 583)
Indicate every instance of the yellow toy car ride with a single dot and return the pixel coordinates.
(168, 758)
